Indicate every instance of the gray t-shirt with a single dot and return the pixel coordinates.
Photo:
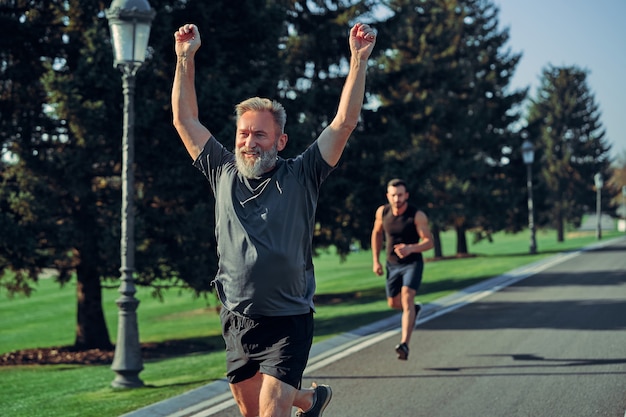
(264, 228)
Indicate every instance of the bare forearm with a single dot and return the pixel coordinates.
(334, 138)
(185, 107)
(352, 96)
(184, 101)
(377, 243)
(421, 247)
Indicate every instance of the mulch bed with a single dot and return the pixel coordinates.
(65, 355)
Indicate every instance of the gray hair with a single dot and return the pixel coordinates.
(259, 104)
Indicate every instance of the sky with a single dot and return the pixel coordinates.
(588, 34)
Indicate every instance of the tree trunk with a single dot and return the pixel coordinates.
(560, 235)
(437, 241)
(91, 328)
(461, 241)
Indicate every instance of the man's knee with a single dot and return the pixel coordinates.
(394, 302)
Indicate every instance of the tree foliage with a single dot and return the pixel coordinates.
(315, 57)
(571, 143)
(24, 60)
(445, 115)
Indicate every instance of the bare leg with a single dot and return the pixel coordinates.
(408, 313)
(395, 302)
(304, 398)
(405, 301)
(247, 394)
(264, 395)
(276, 398)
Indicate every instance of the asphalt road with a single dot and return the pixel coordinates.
(551, 343)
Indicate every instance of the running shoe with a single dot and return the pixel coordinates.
(403, 351)
(322, 397)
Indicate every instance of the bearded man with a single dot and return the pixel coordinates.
(265, 216)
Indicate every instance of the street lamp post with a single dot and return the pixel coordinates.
(129, 22)
(624, 201)
(597, 179)
(528, 154)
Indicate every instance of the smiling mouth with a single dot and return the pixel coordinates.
(250, 153)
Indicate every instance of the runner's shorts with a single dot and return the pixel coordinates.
(277, 346)
(403, 275)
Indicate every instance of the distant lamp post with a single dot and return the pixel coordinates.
(528, 154)
(597, 179)
(129, 22)
(624, 201)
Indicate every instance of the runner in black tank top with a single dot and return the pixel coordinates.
(400, 229)
(407, 235)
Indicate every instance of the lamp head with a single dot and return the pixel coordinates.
(528, 152)
(597, 179)
(129, 21)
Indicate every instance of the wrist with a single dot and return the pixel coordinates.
(358, 64)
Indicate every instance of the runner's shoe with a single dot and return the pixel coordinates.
(418, 310)
(403, 351)
(321, 398)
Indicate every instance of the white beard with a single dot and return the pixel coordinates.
(259, 166)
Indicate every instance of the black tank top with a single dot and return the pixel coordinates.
(400, 229)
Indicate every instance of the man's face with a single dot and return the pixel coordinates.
(257, 143)
(397, 196)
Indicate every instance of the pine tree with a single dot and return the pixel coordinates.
(315, 56)
(23, 122)
(445, 112)
(572, 144)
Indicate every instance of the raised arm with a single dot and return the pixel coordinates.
(184, 101)
(334, 137)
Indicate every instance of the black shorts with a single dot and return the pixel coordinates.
(277, 346)
(403, 275)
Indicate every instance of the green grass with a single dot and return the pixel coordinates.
(349, 295)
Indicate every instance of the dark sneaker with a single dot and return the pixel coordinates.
(418, 310)
(323, 394)
(403, 351)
